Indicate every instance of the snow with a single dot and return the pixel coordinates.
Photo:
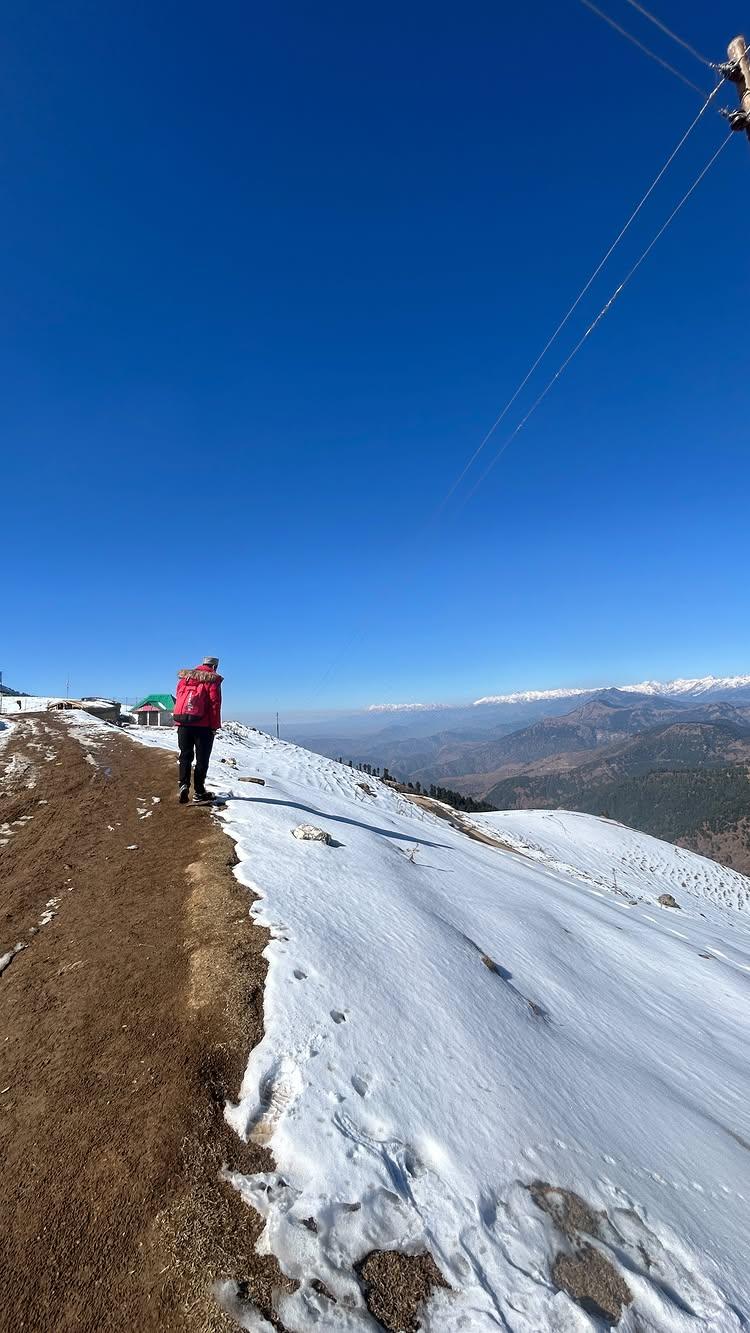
(29, 703)
(669, 688)
(7, 958)
(693, 688)
(532, 696)
(20, 770)
(87, 729)
(406, 708)
(447, 1022)
(609, 854)
(16, 704)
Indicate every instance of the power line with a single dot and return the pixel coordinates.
(646, 49)
(604, 310)
(357, 635)
(680, 42)
(467, 467)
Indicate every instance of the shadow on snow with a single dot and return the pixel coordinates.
(339, 819)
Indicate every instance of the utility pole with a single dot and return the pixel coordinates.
(738, 72)
(277, 726)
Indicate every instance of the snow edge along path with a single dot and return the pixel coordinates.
(447, 1022)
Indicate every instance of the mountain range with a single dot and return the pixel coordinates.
(610, 722)
(673, 764)
(468, 742)
(510, 711)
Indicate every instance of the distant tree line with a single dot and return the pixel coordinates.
(459, 802)
(369, 769)
(453, 798)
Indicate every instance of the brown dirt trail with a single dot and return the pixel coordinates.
(124, 1025)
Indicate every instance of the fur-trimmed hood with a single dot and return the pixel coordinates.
(206, 675)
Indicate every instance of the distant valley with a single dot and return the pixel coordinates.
(673, 765)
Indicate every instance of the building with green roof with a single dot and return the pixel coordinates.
(156, 710)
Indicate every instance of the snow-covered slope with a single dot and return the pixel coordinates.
(615, 857)
(13, 704)
(448, 1022)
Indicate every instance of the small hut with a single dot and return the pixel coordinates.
(156, 710)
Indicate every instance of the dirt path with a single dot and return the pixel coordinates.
(124, 1024)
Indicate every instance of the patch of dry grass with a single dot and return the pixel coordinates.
(397, 1287)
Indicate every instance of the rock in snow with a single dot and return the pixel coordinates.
(310, 833)
(563, 1134)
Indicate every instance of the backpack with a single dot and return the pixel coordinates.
(192, 705)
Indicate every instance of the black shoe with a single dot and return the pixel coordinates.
(202, 797)
(184, 794)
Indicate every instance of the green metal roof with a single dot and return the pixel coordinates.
(160, 700)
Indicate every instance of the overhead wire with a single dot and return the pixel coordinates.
(554, 336)
(663, 27)
(594, 324)
(642, 47)
(604, 310)
(357, 634)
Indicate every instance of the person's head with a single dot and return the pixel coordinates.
(212, 662)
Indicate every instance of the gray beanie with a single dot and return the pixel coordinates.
(211, 661)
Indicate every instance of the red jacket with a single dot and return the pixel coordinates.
(198, 701)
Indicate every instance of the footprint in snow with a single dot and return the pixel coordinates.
(299, 974)
(337, 1016)
(278, 1091)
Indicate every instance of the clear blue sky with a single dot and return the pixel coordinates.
(268, 274)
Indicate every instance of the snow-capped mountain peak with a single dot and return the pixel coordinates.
(532, 696)
(690, 688)
(405, 708)
(693, 688)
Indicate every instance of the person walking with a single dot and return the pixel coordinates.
(197, 712)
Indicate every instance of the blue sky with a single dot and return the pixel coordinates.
(270, 272)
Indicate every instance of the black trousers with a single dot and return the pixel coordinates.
(198, 741)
